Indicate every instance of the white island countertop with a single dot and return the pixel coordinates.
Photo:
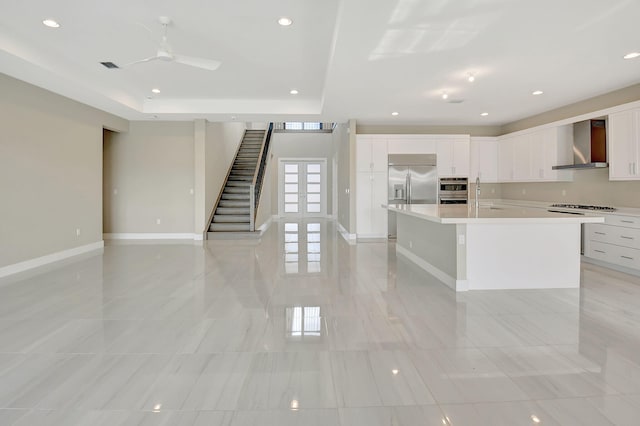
(490, 214)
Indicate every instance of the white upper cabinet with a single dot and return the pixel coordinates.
(483, 161)
(505, 159)
(529, 157)
(453, 156)
(411, 145)
(624, 145)
(371, 154)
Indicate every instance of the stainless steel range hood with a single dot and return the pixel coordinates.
(589, 146)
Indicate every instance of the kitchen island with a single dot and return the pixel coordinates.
(492, 247)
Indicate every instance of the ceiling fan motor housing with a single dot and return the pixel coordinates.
(163, 55)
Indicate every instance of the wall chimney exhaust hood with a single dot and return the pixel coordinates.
(589, 146)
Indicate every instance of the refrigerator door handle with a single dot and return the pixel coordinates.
(409, 187)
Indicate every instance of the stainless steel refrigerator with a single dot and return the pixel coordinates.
(413, 179)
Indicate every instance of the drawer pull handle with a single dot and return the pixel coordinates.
(626, 238)
(627, 221)
(627, 257)
(601, 233)
(599, 251)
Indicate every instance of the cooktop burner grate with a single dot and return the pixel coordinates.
(584, 207)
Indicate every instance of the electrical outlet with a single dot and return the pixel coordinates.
(158, 221)
(410, 244)
(191, 191)
(115, 191)
(77, 232)
(493, 190)
(524, 191)
(564, 192)
(461, 240)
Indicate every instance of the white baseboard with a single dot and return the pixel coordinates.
(451, 282)
(610, 266)
(350, 238)
(151, 236)
(263, 228)
(50, 258)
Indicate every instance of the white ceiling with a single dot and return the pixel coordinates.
(358, 59)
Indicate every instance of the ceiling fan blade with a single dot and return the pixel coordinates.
(152, 58)
(207, 64)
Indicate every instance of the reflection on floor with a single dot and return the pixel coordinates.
(303, 329)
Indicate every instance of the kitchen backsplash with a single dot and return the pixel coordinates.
(588, 187)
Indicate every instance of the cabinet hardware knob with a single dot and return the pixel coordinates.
(599, 251)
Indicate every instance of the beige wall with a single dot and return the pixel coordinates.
(221, 143)
(50, 172)
(341, 152)
(300, 145)
(588, 187)
(152, 169)
(608, 100)
(429, 130)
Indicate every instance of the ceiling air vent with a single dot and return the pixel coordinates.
(109, 65)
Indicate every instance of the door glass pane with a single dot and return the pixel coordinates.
(313, 187)
(291, 208)
(292, 257)
(313, 198)
(291, 238)
(291, 168)
(291, 247)
(291, 178)
(313, 178)
(313, 257)
(313, 227)
(291, 187)
(313, 238)
(313, 247)
(313, 168)
(313, 208)
(291, 198)
(291, 268)
(291, 227)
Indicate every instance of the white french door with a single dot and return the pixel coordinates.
(302, 188)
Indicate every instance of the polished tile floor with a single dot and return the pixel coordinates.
(304, 329)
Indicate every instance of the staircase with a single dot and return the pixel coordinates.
(233, 211)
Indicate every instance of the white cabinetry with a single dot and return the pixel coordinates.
(529, 157)
(483, 161)
(453, 157)
(617, 241)
(371, 186)
(505, 159)
(411, 144)
(624, 145)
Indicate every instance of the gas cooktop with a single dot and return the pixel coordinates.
(584, 207)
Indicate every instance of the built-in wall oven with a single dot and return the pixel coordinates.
(453, 191)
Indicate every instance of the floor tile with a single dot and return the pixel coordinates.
(225, 333)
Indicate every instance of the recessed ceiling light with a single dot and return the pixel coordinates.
(284, 21)
(294, 92)
(631, 55)
(51, 23)
(484, 114)
(394, 113)
(156, 91)
(471, 78)
(537, 92)
(445, 96)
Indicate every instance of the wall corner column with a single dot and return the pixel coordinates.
(200, 209)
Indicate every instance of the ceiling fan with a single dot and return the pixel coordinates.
(165, 53)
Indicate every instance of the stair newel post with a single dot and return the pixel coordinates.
(252, 207)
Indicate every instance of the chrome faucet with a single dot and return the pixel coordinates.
(477, 191)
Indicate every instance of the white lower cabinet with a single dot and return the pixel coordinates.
(371, 194)
(612, 243)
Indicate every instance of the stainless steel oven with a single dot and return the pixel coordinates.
(453, 191)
